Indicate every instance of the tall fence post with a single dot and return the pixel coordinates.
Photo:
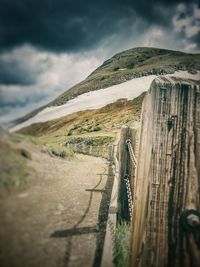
(166, 217)
(126, 169)
(123, 157)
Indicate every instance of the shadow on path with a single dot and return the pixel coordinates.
(99, 229)
(75, 231)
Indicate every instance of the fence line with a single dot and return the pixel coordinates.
(97, 151)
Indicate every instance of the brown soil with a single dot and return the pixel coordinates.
(55, 221)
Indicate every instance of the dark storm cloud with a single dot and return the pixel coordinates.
(14, 73)
(196, 38)
(72, 25)
(22, 66)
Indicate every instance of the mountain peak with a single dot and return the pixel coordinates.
(129, 64)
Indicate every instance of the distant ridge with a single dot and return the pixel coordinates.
(129, 64)
(124, 66)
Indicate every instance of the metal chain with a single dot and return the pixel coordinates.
(132, 155)
(129, 192)
(130, 199)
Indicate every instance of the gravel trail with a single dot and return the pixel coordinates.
(54, 222)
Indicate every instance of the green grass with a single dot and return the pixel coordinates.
(104, 121)
(91, 127)
(54, 146)
(122, 244)
(57, 144)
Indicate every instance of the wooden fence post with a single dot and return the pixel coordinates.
(166, 219)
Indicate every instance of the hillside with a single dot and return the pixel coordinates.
(124, 66)
(131, 64)
(104, 121)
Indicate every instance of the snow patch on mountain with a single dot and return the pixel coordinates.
(100, 98)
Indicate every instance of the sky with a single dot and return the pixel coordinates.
(47, 46)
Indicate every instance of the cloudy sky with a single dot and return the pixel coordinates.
(46, 46)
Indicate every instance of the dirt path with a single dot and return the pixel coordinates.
(55, 221)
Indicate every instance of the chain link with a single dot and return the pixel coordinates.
(130, 201)
(129, 195)
(132, 155)
(127, 181)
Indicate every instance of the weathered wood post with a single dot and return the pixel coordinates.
(166, 218)
(123, 159)
(126, 169)
(134, 144)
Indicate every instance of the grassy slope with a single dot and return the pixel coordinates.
(101, 122)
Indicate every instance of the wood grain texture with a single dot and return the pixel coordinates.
(168, 177)
(126, 169)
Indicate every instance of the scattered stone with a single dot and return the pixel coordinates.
(61, 154)
(192, 71)
(50, 153)
(25, 153)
